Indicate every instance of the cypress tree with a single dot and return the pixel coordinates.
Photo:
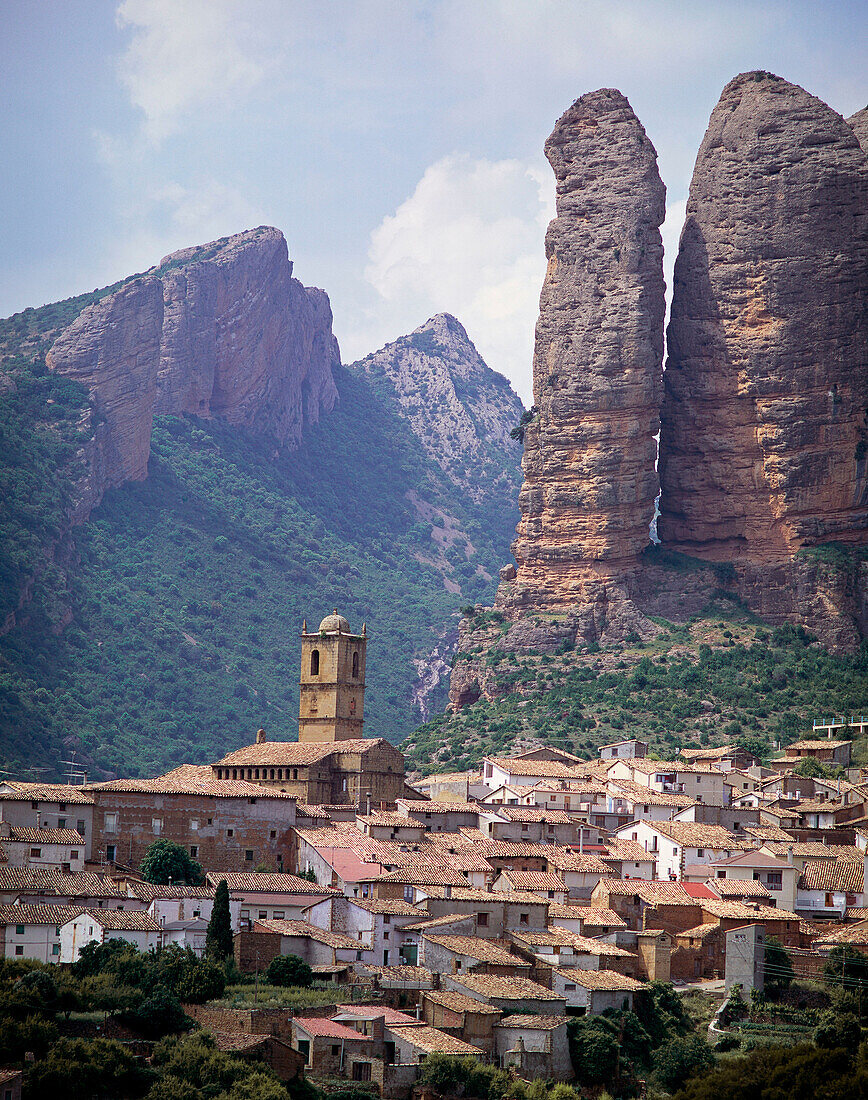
(218, 941)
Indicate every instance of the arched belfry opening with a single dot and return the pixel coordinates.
(314, 662)
(356, 665)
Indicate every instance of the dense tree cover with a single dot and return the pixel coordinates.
(218, 939)
(189, 589)
(721, 677)
(778, 967)
(289, 970)
(785, 1073)
(88, 1069)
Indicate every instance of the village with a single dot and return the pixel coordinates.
(467, 914)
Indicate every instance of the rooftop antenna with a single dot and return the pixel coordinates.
(76, 773)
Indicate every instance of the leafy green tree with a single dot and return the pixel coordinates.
(309, 874)
(847, 966)
(18, 1036)
(289, 970)
(778, 966)
(201, 983)
(838, 1029)
(218, 941)
(680, 1058)
(167, 862)
(159, 1014)
(594, 1049)
(802, 1072)
(87, 1069)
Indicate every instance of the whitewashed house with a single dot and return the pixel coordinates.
(101, 925)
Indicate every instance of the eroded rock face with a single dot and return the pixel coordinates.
(764, 444)
(218, 330)
(461, 410)
(590, 480)
(858, 123)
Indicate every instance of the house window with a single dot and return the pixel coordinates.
(230, 832)
(157, 825)
(482, 920)
(355, 666)
(35, 853)
(248, 855)
(55, 949)
(194, 851)
(272, 835)
(523, 918)
(19, 929)
(279, 914)
(110, 851)
(61, 823)
(111, 823)
(336, 1047)
(700, 852)
(19, 950)
(35, 805)
(263, 914)
(569, 987)
(79, 827)
(408, 893)
(194, 824)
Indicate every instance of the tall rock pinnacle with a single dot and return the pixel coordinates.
(590, 480)
(764, 444)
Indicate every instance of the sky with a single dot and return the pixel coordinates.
(396, 143)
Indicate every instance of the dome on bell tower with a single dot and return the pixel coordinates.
(334, 624)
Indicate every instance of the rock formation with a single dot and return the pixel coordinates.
(764, 443)
(590, 480)
(219, 330)
(461, 410)
(858, 123)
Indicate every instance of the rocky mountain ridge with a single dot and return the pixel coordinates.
(221, 330)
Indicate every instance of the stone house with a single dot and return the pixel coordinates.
(495, 914)
(535, 1046)
(627, 859)
(102, 925)
(461, 1016)
(825, 750)
(579, 871)
(234, 825)
(677, 844)
(533, 824)
(639, 802)
(517, 771)
(511, 995)
(319, 947)
(630, 749)
(556, 948)
(545, 883)
(269, 895)
(377, 923)
(449, 954)
(701, 782)
(777, 875)
(49, 806)
(410, 1044)
(586, 920)
(11, 1083)
(39, 885)
(591, 992)
(25, 847)
(649, 905)
(33, 931)
(333, 1049)
(780, 923)
(829, 887)
(440, 817)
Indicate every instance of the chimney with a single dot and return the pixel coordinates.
(260, 737)
(790, 855)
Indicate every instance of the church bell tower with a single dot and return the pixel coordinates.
(332, 695)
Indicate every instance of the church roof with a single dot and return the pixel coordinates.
(296, 753)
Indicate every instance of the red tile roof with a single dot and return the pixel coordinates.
(321, 1027)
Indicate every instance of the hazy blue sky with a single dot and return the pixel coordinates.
(397, 143)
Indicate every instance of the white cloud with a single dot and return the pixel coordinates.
(469, 241)
(184, 55)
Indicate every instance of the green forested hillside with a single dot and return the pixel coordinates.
(722, 676)
(187, 591)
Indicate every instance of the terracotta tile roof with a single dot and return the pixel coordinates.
(845, 875)
(768, 832)
(718, 753)
(816, 850)
(38, 914)
(697, 889)
(437, 807)
(737, 910)
(857, 912)
(304, 809)
(423, 876)
(438, 922)
(371, 1012)
(699, 932)
(431, 1040)
(627, 850)
(738, 888)
(533, 1023)
(693, 835)
(213, 788)
(457, 1002)
(593, 916)
(637, 794)
(267, 882)
(475, 948)
(534, 881)
(532, 814)
(600, 979)
(752, 859)
(652, 893)
(820, 744)
(856, 934)
(309, 931)
(562, 937)
(505, 989)
(147, 891)
(395, 907)
(11, 789)
(49, 881)
(412, 977)
(544, 768)
(468, 893)
(123, 920)
(236, 1041)
(391, 820)
(448, 777)
(321, 1027)
(570, 860)
(67, 837)
(283, 753)
(651, 767)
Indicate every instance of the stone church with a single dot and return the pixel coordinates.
(331, 763)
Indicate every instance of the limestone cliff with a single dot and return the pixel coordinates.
(589, 475)
(461, 410)
(218, 330)
(858, 123)
(764, 448)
